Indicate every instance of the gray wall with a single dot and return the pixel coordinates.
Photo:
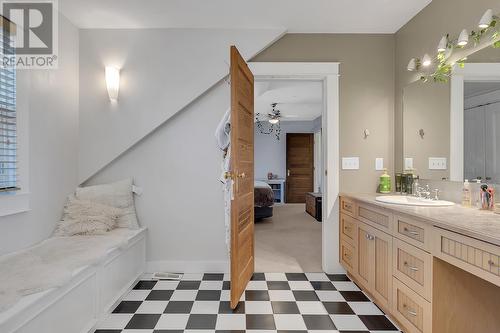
(270, 154)
(52, 103)
(366, 94)
(422, 34)
(178, 167)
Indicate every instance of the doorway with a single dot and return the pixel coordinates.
(328, 75)
(288, 115)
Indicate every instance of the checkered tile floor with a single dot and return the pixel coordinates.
(273, 302)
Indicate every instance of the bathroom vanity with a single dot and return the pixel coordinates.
(431, 269)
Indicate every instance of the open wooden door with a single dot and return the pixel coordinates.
(242, 172)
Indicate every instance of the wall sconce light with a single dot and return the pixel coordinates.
(112, 82)
(413, 65)
(486, 19)
(426, 60)
(463, 38)
(443, 44)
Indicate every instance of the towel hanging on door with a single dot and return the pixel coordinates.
(223, 137)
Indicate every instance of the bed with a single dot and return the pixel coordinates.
(263, 200)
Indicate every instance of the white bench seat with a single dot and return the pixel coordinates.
(89, 295)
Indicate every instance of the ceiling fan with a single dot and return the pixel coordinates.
(274, 116)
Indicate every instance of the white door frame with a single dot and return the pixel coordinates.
(470, 72)
(328, 73)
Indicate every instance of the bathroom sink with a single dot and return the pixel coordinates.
(412, 201)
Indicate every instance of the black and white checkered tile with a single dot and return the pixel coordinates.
(273, 302)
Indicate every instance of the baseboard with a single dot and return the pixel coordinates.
(187, 266)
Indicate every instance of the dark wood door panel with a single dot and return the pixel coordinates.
(300, 166)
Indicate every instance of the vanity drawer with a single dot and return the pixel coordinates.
(474, 256)
(410, 309)
(413, 266)
(348, 229)
(348, 206)
(348, 256)
(414, 232)
(374, 216)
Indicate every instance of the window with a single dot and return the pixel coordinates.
(8, 118)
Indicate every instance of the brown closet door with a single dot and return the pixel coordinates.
(242, 169)
(299, 166)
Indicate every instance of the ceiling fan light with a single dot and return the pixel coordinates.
(486, 19)
(463, 39)
(443, 43)
(274, 121)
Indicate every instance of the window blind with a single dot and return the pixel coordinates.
(8, 118)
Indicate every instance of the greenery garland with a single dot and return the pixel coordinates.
(444, 68)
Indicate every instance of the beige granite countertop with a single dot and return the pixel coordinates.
(472, 222)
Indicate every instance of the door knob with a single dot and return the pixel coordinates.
(288, 173)
(242, 175)
(228, 175)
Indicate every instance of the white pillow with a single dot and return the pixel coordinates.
(83, 217)
(118, 195)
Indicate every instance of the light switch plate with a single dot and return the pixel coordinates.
(350, 163)
(379, 164)
(437, 163)
(408, 163)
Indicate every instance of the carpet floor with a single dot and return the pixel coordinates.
(290, 241)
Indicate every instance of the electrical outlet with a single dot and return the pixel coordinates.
(408, 163)
(379, 164)
(437, 163)
(350, 163)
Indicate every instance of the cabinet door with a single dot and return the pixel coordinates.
(365, 255)
(382, 284)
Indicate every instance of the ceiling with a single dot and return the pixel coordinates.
(478, 88)
(297, 100)
(320, 16)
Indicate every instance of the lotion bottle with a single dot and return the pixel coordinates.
(466, 194)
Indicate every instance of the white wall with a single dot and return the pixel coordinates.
(163, 70)
(270, 154)
(50, 97)
(178, 166)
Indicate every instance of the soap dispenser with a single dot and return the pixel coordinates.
(385, 183)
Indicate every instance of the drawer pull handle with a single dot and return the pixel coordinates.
(411, 232)
(491, 263)
(410, 311)
(347, 206)
(347, 228)
(411, 268)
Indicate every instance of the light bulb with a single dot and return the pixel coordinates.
(443, 43)
(486, 19)
(463, 39)
(274, 121)
(112, 75)
(426, 60)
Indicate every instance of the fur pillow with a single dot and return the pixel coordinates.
(83, 217)
(118, 195)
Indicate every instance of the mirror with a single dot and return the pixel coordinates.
(451, 131)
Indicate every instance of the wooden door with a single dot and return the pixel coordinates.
(242, 173)
(299, 166)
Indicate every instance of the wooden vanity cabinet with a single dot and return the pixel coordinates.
(426, 278)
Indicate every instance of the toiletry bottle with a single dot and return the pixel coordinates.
(466, 194)
(409, 181)
(385, 183)
(485, 197)
(398, 182)
(415, 185)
